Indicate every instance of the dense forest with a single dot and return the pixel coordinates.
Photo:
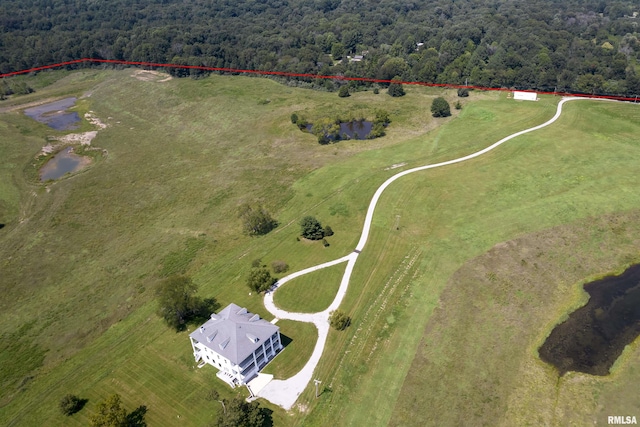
(588, 46)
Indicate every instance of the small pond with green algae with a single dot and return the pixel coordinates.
(595, 335)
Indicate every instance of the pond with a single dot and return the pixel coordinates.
(55, 114)
(595, 335)
(66, 161)
(357, 129)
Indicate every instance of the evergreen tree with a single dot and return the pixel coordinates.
(395, 88)
(310, 228)
(440, 107)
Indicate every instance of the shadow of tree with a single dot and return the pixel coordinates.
(80, 405)
(136, 418)
(268, 417)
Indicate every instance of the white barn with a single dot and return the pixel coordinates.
(525, 96)
(236, 342)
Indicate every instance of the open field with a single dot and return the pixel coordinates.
(183, 154)
(518, 291)
(312, 292)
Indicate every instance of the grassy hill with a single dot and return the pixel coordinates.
(81, 257)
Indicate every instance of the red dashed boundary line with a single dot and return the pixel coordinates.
(285, 74)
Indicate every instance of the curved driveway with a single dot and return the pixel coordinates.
(285, 392)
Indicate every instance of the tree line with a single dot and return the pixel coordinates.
(588, 46)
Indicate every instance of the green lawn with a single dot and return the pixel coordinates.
(558, 176)
(299, 339)
(312, 292)
(81, 257)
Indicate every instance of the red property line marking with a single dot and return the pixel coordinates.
(286, 74)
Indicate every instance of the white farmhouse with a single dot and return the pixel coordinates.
(236, 342)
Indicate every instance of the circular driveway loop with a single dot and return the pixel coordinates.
(284, 393)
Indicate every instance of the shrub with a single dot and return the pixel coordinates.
(279, 266)
(294, 118)
(325, 243)
(344, 91)
(376, 90)
(463, 93)
(457, 105)
(440, 107)
(212, 395)
(301, 122)
(382, 117)
(339, 320)
(70, 404)
(328, 231)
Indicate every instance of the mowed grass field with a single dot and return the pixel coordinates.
(81, 256)
(312, 292)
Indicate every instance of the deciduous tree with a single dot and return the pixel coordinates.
(339, 320)
(110, 413)
(326, 129)
(240, 413)
(256, 220)
(70, 404)
(260, 279)
(178, 303)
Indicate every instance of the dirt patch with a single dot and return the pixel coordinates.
(94, 120)
(82, 138)
(396, 166)
(151, 76)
